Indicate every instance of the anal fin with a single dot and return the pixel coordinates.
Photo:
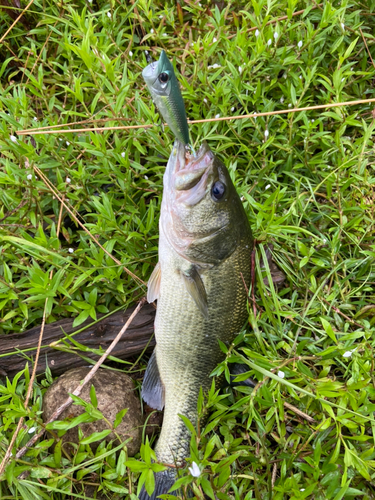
(153, 388)
(195, 287)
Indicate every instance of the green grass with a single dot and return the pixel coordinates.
(308, 188)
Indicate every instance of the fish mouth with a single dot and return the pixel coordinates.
(190, 171)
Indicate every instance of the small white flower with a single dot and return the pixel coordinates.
(31, 430)
(68, 180)
(67, 143)
(151, 30)
(232, 108)
(200, 5)
(282, 99)
(266, 133)
(160, 17)
(324, 240)
(343, 26)
(123, 154)
(13, 138)
(90, 1)
(300, 77)
(285, 75)
(70, 250)
(146, 177)
(214, 39)
(29, 177)
(214, 66)
(205, 100)
(343, 79)
(217, 116)
(195, 470)
(281, 374)
(312, 121)
(300, 43)
(269, 42)
(302, 489)
(257, 33)
(239, 69)
(347, 354)
(109, 15)
(289, 105)
(276, 35)
(255, 117)
(130, 53)
(35, 119)
(165, 34)
(267, 187)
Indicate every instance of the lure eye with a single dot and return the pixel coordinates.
(163, 78)
(217, 190)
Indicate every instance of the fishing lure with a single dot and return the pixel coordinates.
(165, 91)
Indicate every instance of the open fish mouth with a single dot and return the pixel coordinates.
(191, 170)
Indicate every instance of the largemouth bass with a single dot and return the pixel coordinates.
(205, 244)
(165, 91)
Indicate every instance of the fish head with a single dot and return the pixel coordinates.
(159, 76)
(202, 215)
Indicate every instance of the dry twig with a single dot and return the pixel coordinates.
(57, 195)
(87, 379)
(36, 131)
(16, 21)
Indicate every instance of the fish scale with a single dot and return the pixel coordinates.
(205, 245)
(187, 344)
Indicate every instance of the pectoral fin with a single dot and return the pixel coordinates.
(195, 287)
(154, 284)
(152, 387)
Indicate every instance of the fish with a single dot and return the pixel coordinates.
(166, 94)
(205, 245)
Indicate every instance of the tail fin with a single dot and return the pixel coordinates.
(163, 482)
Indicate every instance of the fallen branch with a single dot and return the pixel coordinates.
(87, 379)
(58, 351)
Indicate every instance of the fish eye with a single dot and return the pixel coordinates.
(217, 190)
(163, 78)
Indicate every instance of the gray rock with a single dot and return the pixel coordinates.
(114, 391)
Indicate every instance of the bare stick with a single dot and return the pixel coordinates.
(299, 412)
(8, 453)
(16, 21)
(364, 41)
(206, 120)
(87, 379)
(56, 193)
